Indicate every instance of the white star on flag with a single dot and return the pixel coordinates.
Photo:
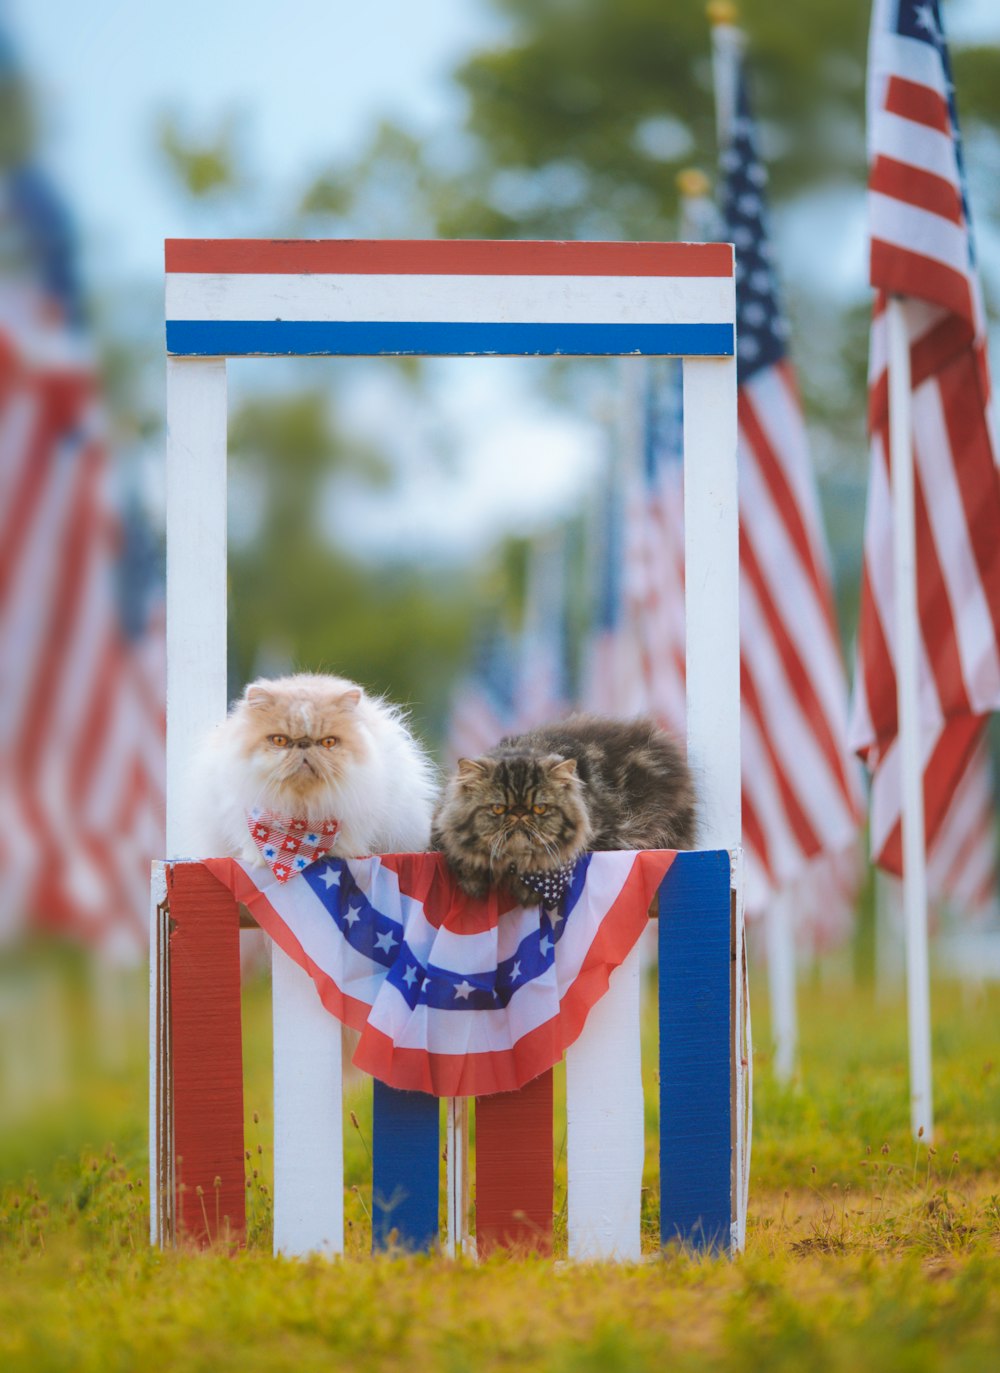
(545, 945)
(352, 916)
(331, 878)
(410, 976)
(385, 940)
(463, 989)
(515, 972)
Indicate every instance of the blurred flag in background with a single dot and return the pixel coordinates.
(921, 249)
(81, 624)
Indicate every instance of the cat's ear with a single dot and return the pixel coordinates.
(258, 695)
(472, 769)
(561, 769)
(350, 698)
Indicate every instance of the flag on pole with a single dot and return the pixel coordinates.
(800, 791)
(544, 692)
(922, 250)
(483, 705)
(654, 544)
(613, 682)
(82, 719)
(962, 864)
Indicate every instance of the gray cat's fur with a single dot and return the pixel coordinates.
(601, 783)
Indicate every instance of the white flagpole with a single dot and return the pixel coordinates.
(727, 48)
(908, 713)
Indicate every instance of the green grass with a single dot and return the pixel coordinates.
(864, 1250)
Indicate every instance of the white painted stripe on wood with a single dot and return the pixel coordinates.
(457, 1175)
(308, 1116)
(196, 579)
(712, 596)
(451, 299)
(605, 1138)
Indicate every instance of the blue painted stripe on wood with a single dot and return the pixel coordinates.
(695, 1052)
(232, 338)
(405, 1169)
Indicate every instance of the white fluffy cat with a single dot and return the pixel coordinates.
(315, 746)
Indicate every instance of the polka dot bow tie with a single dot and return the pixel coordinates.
(289, 843)
(550, 886)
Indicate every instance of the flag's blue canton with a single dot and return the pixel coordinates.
(921, 20)
(761, 329)
(380, 938)
(663, 427)
(495, 670)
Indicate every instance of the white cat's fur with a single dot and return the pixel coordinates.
(376, 781)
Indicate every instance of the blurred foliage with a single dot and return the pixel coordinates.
(296, 601)
(206, 166)
(578, 117)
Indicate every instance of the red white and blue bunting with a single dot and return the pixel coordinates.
(453, 996)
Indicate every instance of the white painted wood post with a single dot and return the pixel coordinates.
(712, 591)
(457, 1172)
(904, 548)
(605, 1118)
(780, 936)
(308, 1115)
(196, 577)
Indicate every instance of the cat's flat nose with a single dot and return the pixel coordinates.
(303, 743)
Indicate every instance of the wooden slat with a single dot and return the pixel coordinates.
(406, 1144)
(514, 1169)
(206, 1053)
(696, 1052)
(447, 257)
(308, 1115)
(605, 1124)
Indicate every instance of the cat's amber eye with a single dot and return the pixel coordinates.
(539, 810)
(330, 741)
(279, 740)
(499, 810)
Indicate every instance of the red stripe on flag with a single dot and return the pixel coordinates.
(899, 271)
(914, 186)
(919, 103)
(941, 774)
(799, 822)
(433, 257)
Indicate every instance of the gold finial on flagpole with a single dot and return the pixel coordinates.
(722, 12)
(693, 183)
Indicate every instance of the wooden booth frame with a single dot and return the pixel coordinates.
(271, 298)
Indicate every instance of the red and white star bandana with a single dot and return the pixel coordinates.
(289, 843)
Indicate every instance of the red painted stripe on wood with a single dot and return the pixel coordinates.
(207, 1055)
(514, 1169)
(441, 257)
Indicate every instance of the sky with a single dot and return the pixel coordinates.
(313, 77)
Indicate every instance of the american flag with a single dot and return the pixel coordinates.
(612, 670)
(962, 865)
(484, 702)
(800, 790)
(654, 543)
(544, 691)
(921, 249)
(82, 720)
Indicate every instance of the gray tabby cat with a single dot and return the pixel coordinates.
(521, 815)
